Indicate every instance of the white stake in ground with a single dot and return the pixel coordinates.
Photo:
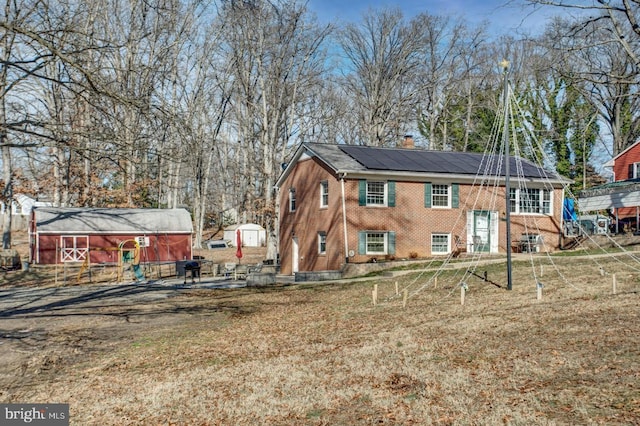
(539, 287)
(374, 294)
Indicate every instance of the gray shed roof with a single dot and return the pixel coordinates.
(112, 221)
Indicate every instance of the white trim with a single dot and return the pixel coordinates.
(540, 201)
(292, 200)
(324, 183)
(75, 253)
(295, 255)
(449, 195)
(451, 177)
(385, 243)
(385, 194)
(441, 234)
(320, 235)
(344, 222)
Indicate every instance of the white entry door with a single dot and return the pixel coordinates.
(481, 234)
(295, 255)
(482, 231)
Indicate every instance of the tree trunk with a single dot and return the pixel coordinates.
(7, 193)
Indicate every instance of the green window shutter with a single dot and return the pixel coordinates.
(427, 195)
(391, 197)
(362, 192)
(391, 244)
(455, 195)
(362, 242)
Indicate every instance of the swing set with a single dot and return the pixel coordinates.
(128, 259)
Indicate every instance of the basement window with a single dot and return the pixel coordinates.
(322, 242)
(440, 243)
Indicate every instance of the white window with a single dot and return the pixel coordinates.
(322, 242)
(376, 243)
(440, 196)
(530, 201)
(292, 199)
(440, 243)
(634, 171)
(324, 193)
(376, 194)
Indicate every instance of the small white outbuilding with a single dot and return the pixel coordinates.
(252, 235)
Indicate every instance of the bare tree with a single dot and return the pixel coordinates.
(456, 80)
(619, 16)
(604, 71)
(276, 55)
(443, 71)
(208, 89)
(21, 61)
(383, 55)
(600, 46)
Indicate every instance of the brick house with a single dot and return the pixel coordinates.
(352, 204)
(620, 197)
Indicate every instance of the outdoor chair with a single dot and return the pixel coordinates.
(229, 268)
(241, 271)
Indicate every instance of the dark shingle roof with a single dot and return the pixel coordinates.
(414, 160)
(365, 160)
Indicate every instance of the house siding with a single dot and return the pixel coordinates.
(622, 171)
(621, 164)
(411, 219)
(104, 248)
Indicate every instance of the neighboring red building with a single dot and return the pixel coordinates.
(355, 204)
(620, 197)
(59, 235)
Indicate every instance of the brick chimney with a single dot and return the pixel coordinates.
(408, 142)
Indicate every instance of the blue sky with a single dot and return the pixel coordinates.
(503, 16)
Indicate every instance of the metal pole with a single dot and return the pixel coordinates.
(507, 172)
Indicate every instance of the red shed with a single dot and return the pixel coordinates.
(58, 235)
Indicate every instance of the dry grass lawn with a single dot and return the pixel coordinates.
(324, 355)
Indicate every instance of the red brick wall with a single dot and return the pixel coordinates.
(412, 222)
(309, 219)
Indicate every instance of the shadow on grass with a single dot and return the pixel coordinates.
(125, 301)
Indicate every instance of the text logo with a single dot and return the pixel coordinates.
(34, 414)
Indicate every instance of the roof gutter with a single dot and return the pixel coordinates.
(435, 177)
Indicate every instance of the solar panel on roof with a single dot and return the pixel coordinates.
(437, 162)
